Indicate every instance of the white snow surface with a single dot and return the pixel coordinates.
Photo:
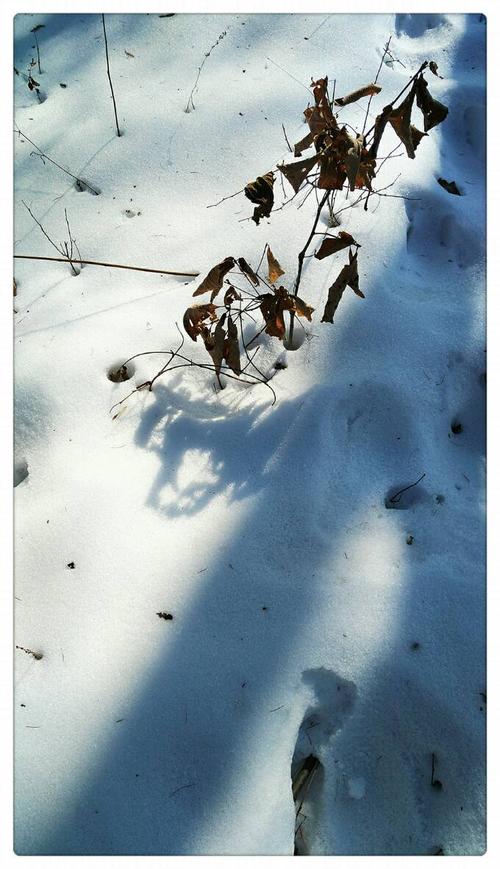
(262, 529)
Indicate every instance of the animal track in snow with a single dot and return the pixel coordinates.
(416, 24)
(119, 372)
(334, 699)
(21, 472)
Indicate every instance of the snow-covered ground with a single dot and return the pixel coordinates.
(307, 616)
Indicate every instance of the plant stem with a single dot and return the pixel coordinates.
(89, 262)
(109, 75)
(44, 155)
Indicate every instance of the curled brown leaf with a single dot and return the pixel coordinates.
(366, 91)
(214, 280)
(195, 317)
(261, 192)
(332, 244)
(275, 270)
(296, 173)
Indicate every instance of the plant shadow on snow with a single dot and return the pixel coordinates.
(203, 722)
(202, 456)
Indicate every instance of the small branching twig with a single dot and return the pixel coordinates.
(44, 156)
(63, 248)
(190, 103)
(109, 74)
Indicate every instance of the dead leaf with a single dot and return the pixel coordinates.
(348, 277)
(380, 125)
(416, 136)
(450, 186)
(320, 91)
(296, 173)
(434, 68)
(303, 145)
(261, 192)
(194, 319)
(271, 307)
(400, 120)
(213, 281)
(275, 270)
(231, 295)
(352, 161)
(214, 343)
(433, 111)
(331, 176)
(302, 309)
(366, 91)
(232, 348)
(333, 245)
(248, 271)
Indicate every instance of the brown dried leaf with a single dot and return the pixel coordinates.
(302, 309)
(366, 91)
(303, 145)
(416, 136)
(348, 277)
(275, 270)
(261, 192)
(271, 307)
(248, 271)
(433, 111)
(434, 68)
(380, 125)
(333, 245)
(232, 348)
(331, 176)
(352, 161)
(214, 280)
(319, 118)
(296, 173)
(231, 295)
(400, 120)
(215, 343)
(320, 91)
(194, 317)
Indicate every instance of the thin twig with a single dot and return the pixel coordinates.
(386, 49)
(397, 497)
(194, 88)
(286, 138)
(42, 154)
(89, 262)
(109, 74)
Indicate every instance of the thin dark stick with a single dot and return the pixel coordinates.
(224, 199)
(386, 49)
(43, 154)
(286, 138)
(90, 262)
(303, 253)
(109, 74)
(37, 52)
(397, 497)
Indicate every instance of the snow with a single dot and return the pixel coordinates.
(303, 618)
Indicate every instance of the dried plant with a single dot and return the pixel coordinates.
(68, 249)
(343, 160)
